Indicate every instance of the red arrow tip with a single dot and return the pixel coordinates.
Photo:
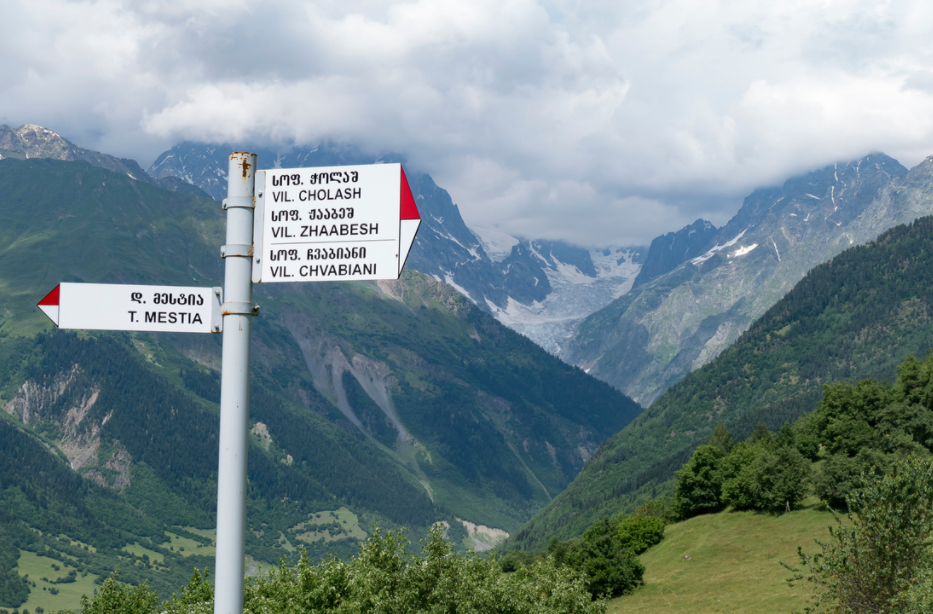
(409, 210)
(51, 298)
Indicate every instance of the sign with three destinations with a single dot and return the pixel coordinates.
(334, 223)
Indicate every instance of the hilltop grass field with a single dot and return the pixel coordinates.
(733, 566)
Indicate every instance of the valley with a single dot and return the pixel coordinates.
(492, 388)
(522, 307)
(396, 401)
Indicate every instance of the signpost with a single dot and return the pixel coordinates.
(167, 309)
(333, 223)
(283, 225)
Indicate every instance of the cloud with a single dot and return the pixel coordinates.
(599, 123)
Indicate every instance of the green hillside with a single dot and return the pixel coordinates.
(399, 403)
(857, 316)
(733, 565)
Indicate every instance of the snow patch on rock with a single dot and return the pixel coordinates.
(743, 250)
(497, 245)
(712, 252)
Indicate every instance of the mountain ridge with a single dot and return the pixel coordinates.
(652, 337)
(33, 141)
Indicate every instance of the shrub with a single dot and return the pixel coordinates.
(639, 532)
(610, 569)
(384, 577)
(114, 597)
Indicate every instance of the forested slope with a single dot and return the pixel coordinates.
(857, 316)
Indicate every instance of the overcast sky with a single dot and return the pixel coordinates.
(601, 123)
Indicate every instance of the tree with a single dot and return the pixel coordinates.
(722, 438)
(881, 562)
(659, 507)
(841, 475)
(761, 435)
(738, 472)
(786, 438)
(782, 478)
(515, 560)
(846, 417)
(699, 483)
(806, 437)
(196, 598)
(384, 577)
(757, 476)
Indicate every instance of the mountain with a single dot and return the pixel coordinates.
(857, 316)
(32, 141)
(580, 281)
(400, 403)
(650, 338)
(669, 251)
(539, 288)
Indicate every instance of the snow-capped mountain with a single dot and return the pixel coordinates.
(669, 251)
(539, 288)
(680, 320)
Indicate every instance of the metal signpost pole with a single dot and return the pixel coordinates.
(238, 310)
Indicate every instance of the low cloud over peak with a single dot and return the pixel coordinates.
(597, 123)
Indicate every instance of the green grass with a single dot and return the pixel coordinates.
(186, 546)
(285, 544)
(734, 564)
(139, 551)
(315, 529)
(69, 594)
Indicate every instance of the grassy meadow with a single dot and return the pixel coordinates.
(186, 546)
(52, 596)
(733, 566)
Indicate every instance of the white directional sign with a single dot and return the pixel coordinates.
(333, 223)
(170, 309)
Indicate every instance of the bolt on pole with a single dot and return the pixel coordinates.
(238, 310)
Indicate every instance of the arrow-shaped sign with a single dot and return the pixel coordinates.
(49, 304)
(333, 223)
(409, 221)
(170, 309)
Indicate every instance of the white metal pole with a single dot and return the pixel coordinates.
(238, 310)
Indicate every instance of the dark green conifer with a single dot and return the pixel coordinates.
(722, 438)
